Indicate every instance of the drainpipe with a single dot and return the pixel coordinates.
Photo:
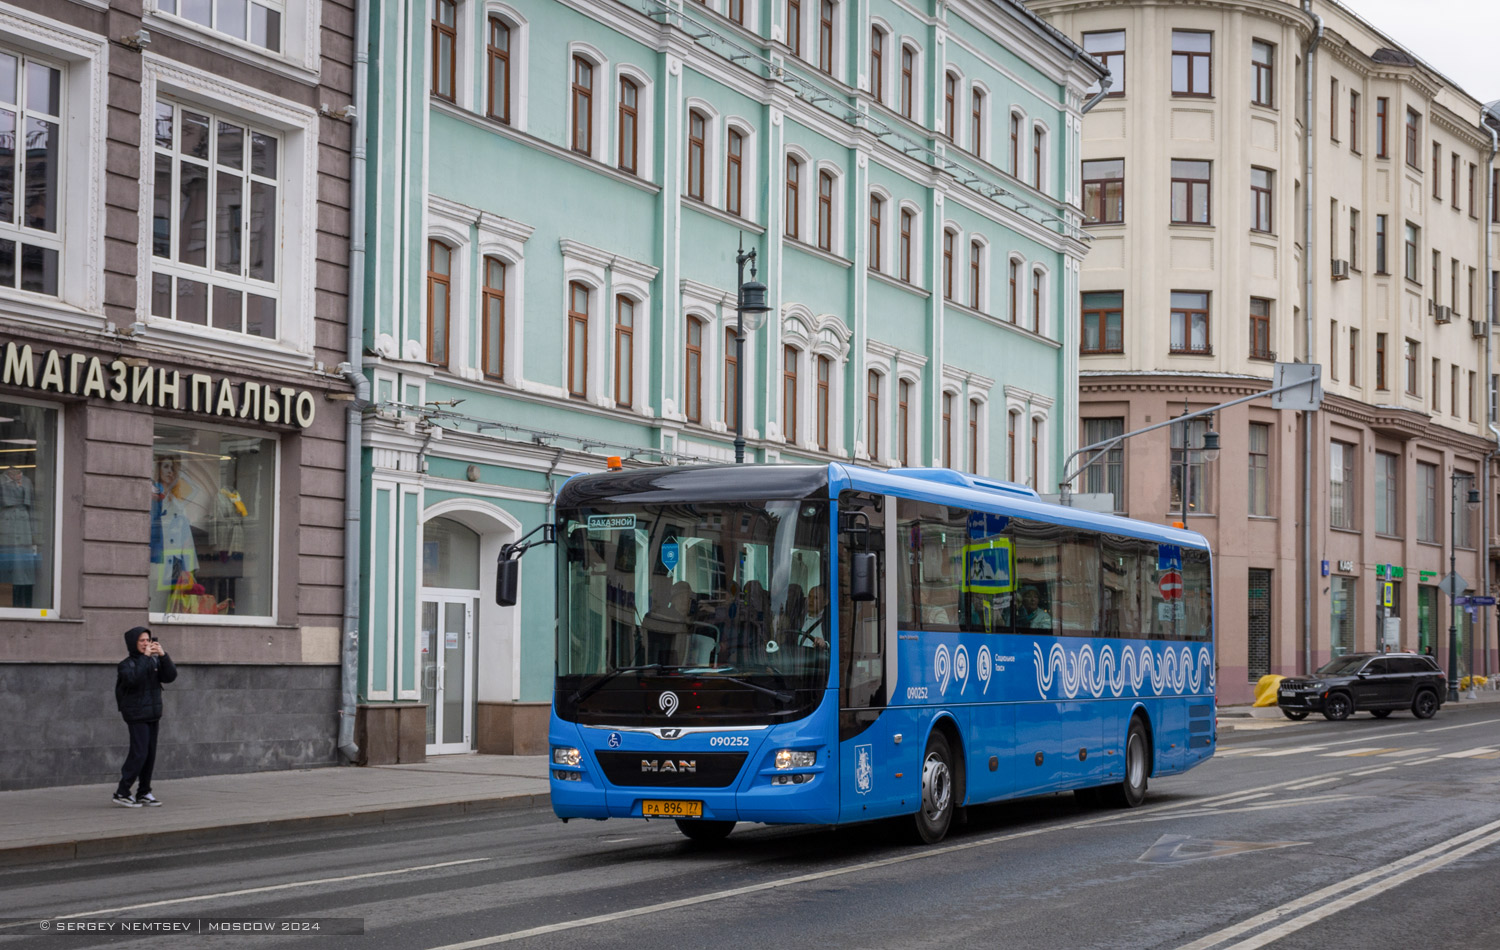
(1308, 418)
(1098, 97)
(1489, 336)
(352, 371)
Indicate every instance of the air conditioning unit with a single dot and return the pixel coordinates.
(1442, 314)
(1340, 270)
(1476, 329)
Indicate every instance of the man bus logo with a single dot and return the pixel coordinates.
(679, 767)
(668, 703)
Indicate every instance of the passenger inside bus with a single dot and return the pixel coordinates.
(1030, 614)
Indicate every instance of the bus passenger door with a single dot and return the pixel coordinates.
(866, 784)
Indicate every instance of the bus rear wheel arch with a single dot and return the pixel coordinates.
(942, 785)
(1131, 790)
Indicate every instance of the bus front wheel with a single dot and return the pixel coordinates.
(935, 813)
(700, 830)
(1132, 791)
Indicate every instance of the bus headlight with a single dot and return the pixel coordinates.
(566, 755)
(795, 759)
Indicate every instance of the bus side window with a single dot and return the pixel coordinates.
(1196, 595)
(861, 623)
(1038, 597)
(930, 539)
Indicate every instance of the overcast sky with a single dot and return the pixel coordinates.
(1458, 38)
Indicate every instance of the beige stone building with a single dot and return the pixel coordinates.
(1195, 184)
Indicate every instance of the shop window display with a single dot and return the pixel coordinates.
(212, 523)
(28, 506)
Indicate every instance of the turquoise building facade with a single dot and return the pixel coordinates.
(557, 193)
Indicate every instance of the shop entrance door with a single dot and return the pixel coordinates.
(448, 671)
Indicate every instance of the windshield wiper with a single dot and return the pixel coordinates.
(580, 695)
(783, 695)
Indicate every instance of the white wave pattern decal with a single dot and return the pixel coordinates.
(1080, 672)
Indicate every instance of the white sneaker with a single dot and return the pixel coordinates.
(124, 801)
(148, 799)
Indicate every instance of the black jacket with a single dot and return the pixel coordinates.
(138, 681)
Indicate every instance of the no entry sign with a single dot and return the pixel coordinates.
(1171, 586)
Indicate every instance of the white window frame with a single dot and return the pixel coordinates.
(1043, 288)
(604, 100)
(520, 63)
(505, 240)
(880, 366)
(1017, 168)
(889, 99)
(749, 170)
(918, 244)
(961, 83)
(301, 26)
(713, 152)
(633, 280)
(890, 218)
(1040, 174)
(918, 76)
(986, 125)
(297, 184)
(985, 271)
(807, 194)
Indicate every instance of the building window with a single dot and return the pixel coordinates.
(1437, 164)
(1190, 191)
(1258, 621)
(825, 210)
(904, 263)
(1013, 419)
(1037, 278)
(1463, 535)
(1354, 239)
(697, 130)
(692, 377)
(583, 106)
(212, 533)
(625, 351)
(1192, 62)
(974, 436)
(825, 36)
(908, 81)
(949, 239)
(948, 399)
(497, 54)
(976, 123)
(1015, 145)
(1038, 150)
(1453, 390)
(950, 106)
(877, 216)
(1262, 73)
(1104, 191)
(794, 26)
(215, 235)
(444, 43)
(1333, 350)
(1035, 477)
(737, 11)
(31, 106)
(1382, 127)
(1413, 137)
(1189, 323)
(493, 330)
(439, 274)
(877, 64)
(1107, 472)
(1260, 469)
(1453, 181)
(1472, 416)
(731, 379)
(1260, 199)
(1198, 471)
(1386, 519)
(789, 392)
(1260, 329)
(1436, 385)
(1427, 505)
(1342, 613)
(1381, 265)
(1353, 357)
(578, 338)
(629, 125)
(259, 22)
(1341, 485)
(734, 159)
(793, 209)
(976, 282)
(1103, 323)
(1354, 122)
(1013, 311)
(1473, 210)
(1413, 243)
(903, 418)
(1380, 381)
(1109, 48)
(824, 400)
(872, 414)
(28, 508)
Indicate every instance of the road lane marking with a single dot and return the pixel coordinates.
(1314, 782)
(250, 890)
(1489, 755)
(1463, 725)
(1399, 871)
(1424, 761)
(1403, 753)
(1383, 768)
(1355, 753)
(1294, 750)
(1241, 798)
(1246, 750)
(1469, 753)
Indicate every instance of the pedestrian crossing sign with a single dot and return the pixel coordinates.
(988, 567)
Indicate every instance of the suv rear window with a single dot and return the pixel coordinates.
(1415, 664)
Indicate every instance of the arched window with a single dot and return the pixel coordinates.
(697, 133)
(974, 436)
(789, 392)
(497, 53)
(734, 158)
(731, 378)
(825, 378)
(948, 430)
(976, 276)
(872, 414)
(1036, 454)
(877, 218)
(1015, 278)
(1036, 300)
(630, 128)
(578, 338)
(1038, 149)
(877, 63)
(950, 238)
(825, 210)
(976, 123)
(1013, 419)
(439, 276)
(624, 352)
(903, 263)
(908, 80)
(794, 26)
(793, 197)
(825, 36)
(903, 421)
(950, 106)
(583, 105)
(493, 331)
(692, 376)
(1015, 145)
(444, 49)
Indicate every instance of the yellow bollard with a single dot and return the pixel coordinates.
(1265, 689)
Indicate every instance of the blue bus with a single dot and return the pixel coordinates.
(829, 644)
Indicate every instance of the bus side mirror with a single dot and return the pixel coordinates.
(507, 577)
(862, 576)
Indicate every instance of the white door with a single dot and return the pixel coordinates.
(448, 670)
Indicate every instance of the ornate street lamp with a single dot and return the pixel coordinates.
(750, 298)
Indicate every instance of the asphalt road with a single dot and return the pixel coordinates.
(1376, 834)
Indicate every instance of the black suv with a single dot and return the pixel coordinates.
(1378, 682)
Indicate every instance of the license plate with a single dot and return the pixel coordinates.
(671, 809)
(1288, 694)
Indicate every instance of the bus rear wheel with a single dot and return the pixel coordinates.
(701, 830)
(935, 813)
(1132, 791)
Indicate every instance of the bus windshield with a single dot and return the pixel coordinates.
(724, 604)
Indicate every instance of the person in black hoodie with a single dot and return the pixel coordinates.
(138, 682)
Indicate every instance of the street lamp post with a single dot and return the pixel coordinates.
(749, 298)
(1470, 503)
(1210, 454)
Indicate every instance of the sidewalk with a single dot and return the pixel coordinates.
(76, 821)
(1231, 713)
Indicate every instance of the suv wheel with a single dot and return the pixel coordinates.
(1380, 713)
(1295, 715)
(1425, 706)
(1337, 707)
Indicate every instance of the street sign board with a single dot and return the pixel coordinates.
(1388, 594)
(1453, 584)
(1171, 586)
(1307, 397)
(1460, 601)
(1482, 601)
